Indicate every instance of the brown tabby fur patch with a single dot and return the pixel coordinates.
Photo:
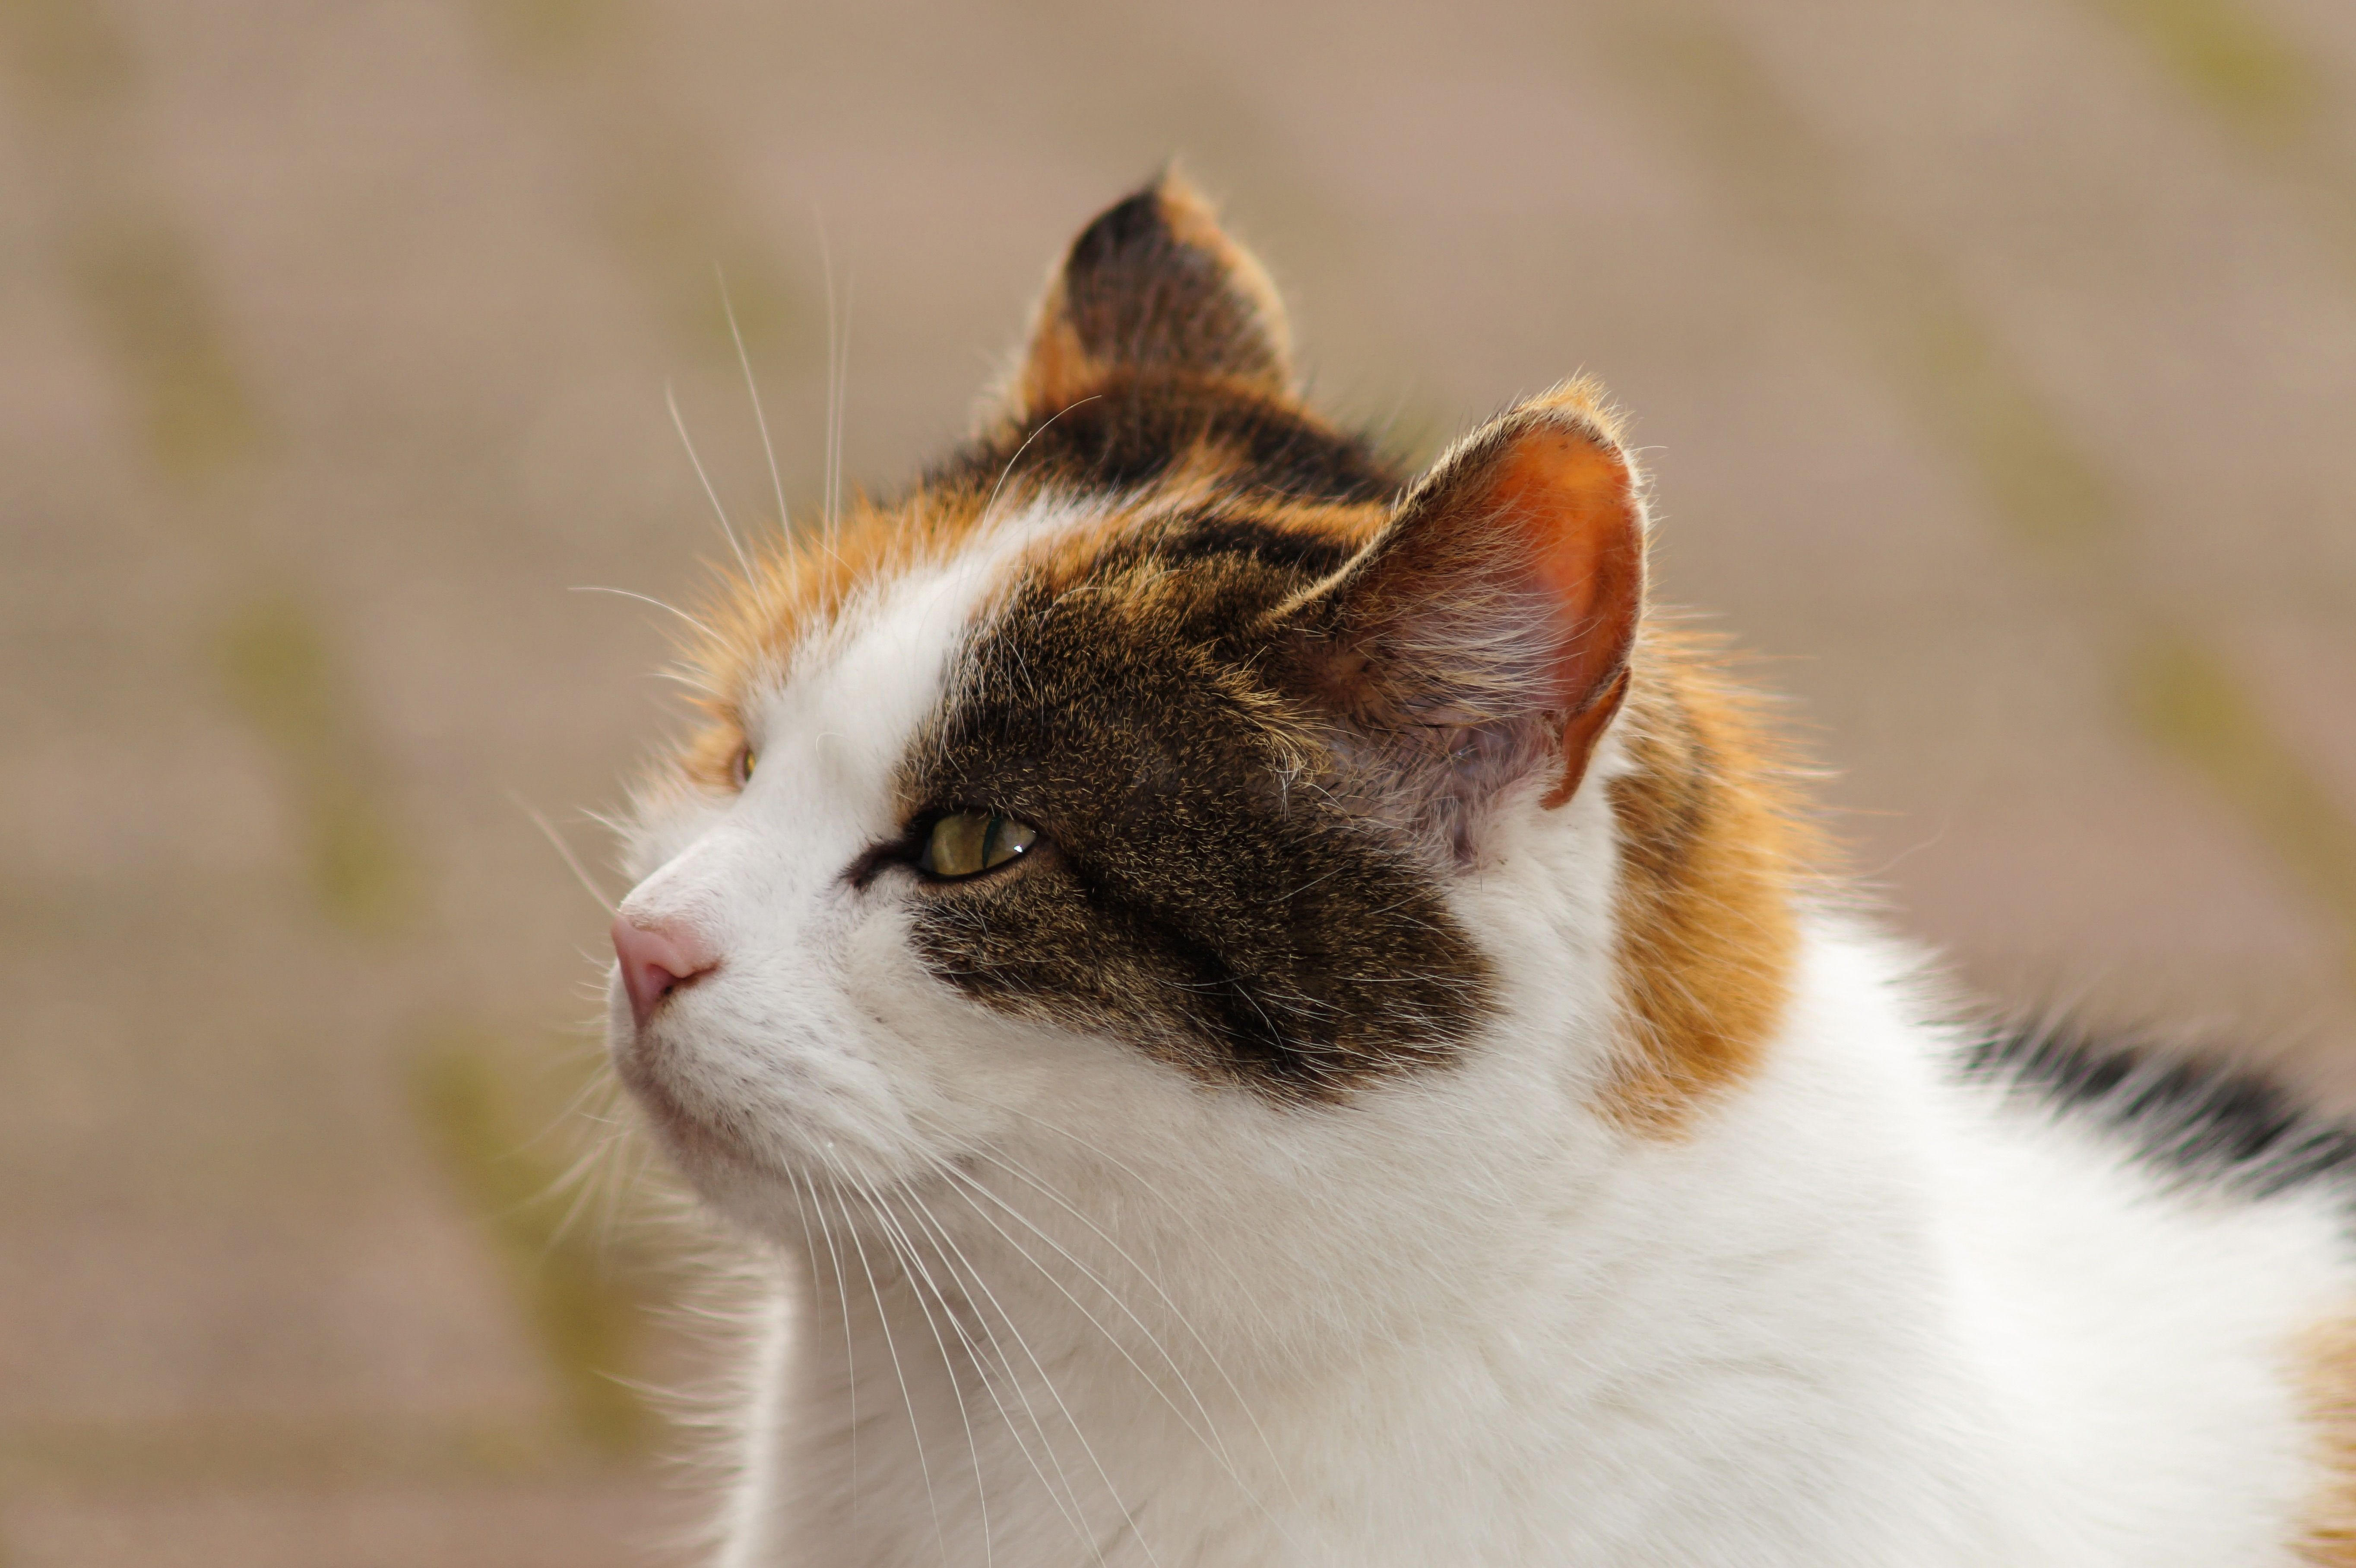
(1155, 285)
(1198, 894)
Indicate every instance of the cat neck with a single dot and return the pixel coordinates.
(1750, 1306)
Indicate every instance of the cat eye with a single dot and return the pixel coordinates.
(739, 767)
(967, 843)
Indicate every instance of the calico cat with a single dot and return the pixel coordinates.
(1275, 1015)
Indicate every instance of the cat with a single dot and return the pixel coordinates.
(1272, 1013)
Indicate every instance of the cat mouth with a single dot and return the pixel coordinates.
(644, 1061)
(694, 1138)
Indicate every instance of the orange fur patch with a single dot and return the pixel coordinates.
(1714, 848)
(2327, 1359)
(794, 589)
(1713, 854)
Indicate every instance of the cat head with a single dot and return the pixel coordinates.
(1164, 775)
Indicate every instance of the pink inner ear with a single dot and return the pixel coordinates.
(1572, 498)
(1499, 606)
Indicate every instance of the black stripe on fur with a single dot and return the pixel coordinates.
(1131, 432)
(2197, 1124)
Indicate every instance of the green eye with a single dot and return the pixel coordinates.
(971, 842)
(740, 769)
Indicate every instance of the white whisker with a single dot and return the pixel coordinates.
(753, 391)
(671, 401)
(964, 1187)
(850, 1360)
(647, 599)
(1049, 1383)
(920, 1279)
(990, 503)
(564, 851)
(694, 683)
(1028, 1178)
(916, 1425)
(931, 1224)
(831, 483)
(1016, 1168)
(1207, 1434)
(842, 400)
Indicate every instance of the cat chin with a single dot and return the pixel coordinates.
(751, 1160)
(760, 1183)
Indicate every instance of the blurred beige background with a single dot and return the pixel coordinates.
(1998, 362)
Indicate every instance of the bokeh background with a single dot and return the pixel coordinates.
(1998, 362)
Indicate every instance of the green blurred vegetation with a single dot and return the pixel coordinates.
(276, 668)
(681, 240)
(64, 51)
(1933, 343)
(2045, 492)
(2049, 495)
(545, 34)
(141, 285)
(2230, 56)
(2186, 699)
(226, 1450)
(2266, 87)
(588, 1295)
(658, 199)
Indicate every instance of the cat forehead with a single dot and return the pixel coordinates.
(881, 661)
(940, 624)
(903, 641)
(1105, 502)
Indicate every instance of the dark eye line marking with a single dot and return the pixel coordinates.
(909, 850)
(874, 861)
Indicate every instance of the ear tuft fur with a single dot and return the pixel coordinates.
(1154, 287)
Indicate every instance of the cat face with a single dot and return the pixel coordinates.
(1162, 768)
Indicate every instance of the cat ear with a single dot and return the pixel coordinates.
(1486, 632)
(1154, 285)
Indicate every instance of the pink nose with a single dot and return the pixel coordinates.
(657, 960)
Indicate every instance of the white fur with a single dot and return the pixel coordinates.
(1856, 1316)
